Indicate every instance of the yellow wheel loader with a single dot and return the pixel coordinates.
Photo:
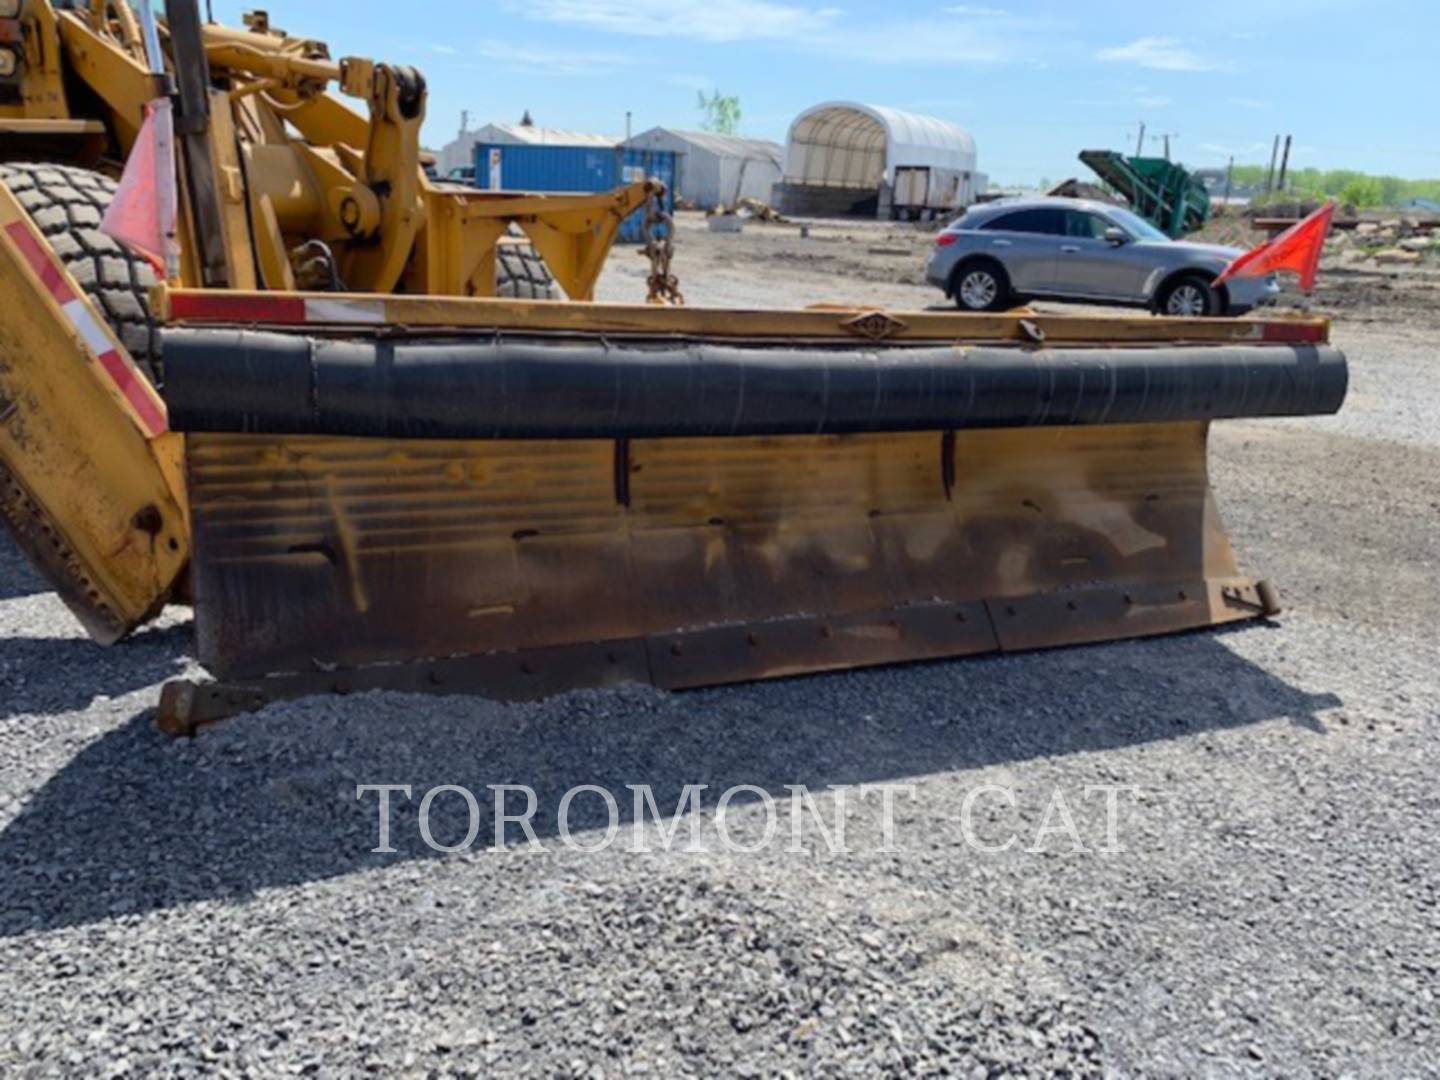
(336, 428)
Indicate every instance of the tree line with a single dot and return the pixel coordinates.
(1347, 185)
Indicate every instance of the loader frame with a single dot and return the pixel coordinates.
(278, 181)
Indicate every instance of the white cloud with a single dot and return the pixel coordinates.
(808, 28)
(957, 36)
(698, 83)
(1130, 97)
(551, 61)
(1159, 53)
(444, 50)
(918, 45)
(999, 38)
(1248, 103)
(703, 20)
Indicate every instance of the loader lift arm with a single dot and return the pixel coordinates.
(282, 185)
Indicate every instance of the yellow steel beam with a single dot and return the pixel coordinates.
(118, 78)
(573, 233)
(199, 306)
(51, 127)
(43, 87)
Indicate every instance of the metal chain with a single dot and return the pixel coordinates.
(664, 286)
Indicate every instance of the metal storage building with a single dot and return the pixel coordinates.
(461, 150)
(717, 170)
(843, 157)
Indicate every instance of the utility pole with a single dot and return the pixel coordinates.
(1140, 142)
(1285, 162)
(627, 125)
(1270, 176)
(1229, 179)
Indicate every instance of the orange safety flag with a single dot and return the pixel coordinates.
(1297, 249)
(142, 213)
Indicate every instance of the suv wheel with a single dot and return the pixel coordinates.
(1189, 296)
(981, 286)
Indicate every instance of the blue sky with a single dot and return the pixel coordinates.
(1035, 82)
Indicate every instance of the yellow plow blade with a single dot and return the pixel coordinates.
(720, 560)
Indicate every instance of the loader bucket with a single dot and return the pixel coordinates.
(620, 498)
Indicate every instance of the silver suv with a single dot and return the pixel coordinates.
(1075, 249)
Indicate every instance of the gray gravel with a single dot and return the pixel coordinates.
(214, 905)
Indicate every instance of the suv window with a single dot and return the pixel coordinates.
(1048, 221)
(1086, 226)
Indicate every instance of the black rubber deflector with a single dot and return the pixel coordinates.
(226, 380)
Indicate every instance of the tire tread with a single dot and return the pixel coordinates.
(67, 204)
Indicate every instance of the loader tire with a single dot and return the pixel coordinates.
(66, 204)
(521, 274)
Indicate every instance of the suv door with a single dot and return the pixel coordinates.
(1027, 243)
(1089, 265)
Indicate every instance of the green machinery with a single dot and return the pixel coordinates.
(1157, 189)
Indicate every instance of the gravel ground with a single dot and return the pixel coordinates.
(215, 906)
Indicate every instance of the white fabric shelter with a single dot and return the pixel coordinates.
(849, 145)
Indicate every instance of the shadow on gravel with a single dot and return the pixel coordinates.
(17, 577)
(46, 676)
(136, 822)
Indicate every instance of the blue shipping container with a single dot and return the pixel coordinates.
(576, 168)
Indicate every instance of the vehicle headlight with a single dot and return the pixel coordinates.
(9, 9)
(9, 61)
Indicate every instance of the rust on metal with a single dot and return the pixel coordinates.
(200, 307)
(519, 567)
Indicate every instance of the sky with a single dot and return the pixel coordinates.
(1356, 83)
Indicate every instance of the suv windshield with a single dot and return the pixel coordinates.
(1135, 225)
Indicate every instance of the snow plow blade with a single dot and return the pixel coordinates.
(475, 511)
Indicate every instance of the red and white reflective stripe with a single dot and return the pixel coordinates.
(50, 273)
(1285, 331)
(236, 308)
(1295, 333)
(223, 307)
(118, 367)
(323, 310)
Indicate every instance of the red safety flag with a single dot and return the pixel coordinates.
(1297, 249)
(142, 213)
